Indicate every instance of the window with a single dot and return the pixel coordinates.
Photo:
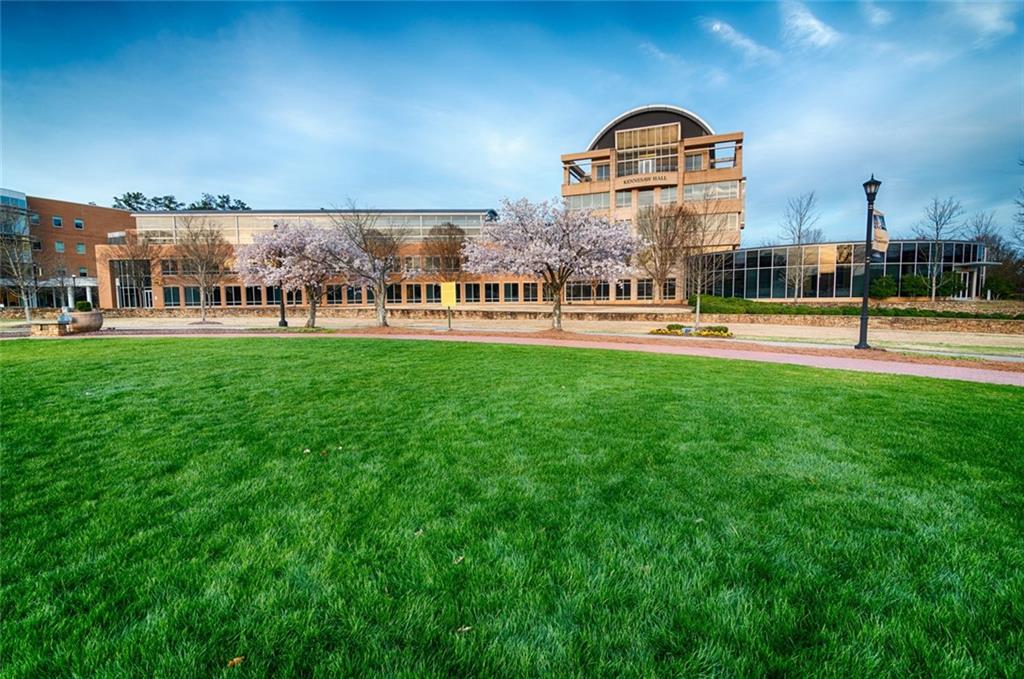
(529, 292)
(694, 162)
(353, 295)
(172, 296)
(412, 263)
(623, 199)
(602, 172)
(34, 218)
(624, 289)
(213, 297)
(647, 149)
(82, 271)
(169, 267)
(433, 293)
(413, 294)
(80, 248)
(58, 246)
(432, 263)
(472, 293)
(273, 295)
(293, 297)
(711, 191)
(645, 289)
(668, 289)
(335, 294)
(369, 294)
(511, 292)
(577, 291)
(233, 295)
(645, 198)
(394, 294)
(492, 293)
(253, 295)
(192, 295)
(588, 201)
(600, 290)
(668, 194)
(57, 221)
(37, 245)
(79, 224)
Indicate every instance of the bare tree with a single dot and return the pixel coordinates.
(371, 255)
(205, 258)
(1006, 277)
(942, 221)
(138, 256)
(442, 253)
(799, 227)
(663, 230)
(17, 268)
(704, 233)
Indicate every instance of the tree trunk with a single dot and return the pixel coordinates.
(311, 321)
(696, 324)
(382, 311)
(556, 311)
(28, 307)
(202, 305)
(658, 287)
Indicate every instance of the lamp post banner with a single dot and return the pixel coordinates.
(881, 239)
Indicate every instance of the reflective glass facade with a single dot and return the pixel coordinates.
(836, 270)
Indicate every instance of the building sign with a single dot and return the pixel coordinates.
(448, 295)
(880, 242)
(647, 179)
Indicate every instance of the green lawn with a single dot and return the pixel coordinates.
(473, 510)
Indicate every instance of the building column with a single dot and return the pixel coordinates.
(88, 293)
(70, 295)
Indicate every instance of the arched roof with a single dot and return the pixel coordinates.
(654, 114)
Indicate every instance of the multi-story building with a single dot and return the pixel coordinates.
(168, 286)
(61, 238)
(658, 155)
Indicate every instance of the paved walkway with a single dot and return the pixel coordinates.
(968, 374)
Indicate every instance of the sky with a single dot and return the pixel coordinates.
(459, 105)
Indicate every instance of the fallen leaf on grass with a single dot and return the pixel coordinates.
(235, 662)
(458, 560)
(418, 533)
(463, 629)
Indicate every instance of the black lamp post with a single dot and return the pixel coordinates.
(870, 191)
(283, 323)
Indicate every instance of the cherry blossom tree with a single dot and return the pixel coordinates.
(293, 258)
(370, 254)
(554, 243)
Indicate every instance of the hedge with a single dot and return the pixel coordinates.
(737, 305)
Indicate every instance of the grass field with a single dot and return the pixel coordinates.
(342, 507)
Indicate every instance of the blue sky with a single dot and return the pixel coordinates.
(459, 105)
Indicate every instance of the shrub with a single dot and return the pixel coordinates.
(950, 284)
(738, 305)
(674, 326)
(83, 306)
(914, 286)
(882, 287)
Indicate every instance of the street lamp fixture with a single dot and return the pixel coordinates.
(870, 191)
(283, 323)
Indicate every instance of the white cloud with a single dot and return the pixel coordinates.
(988, 21)
(652, 50)
(802, 28)
(751, 50)
(875, 15)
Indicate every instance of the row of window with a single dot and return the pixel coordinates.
(667, 194)
(57, 221)
(58, 246)
(415, 293)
